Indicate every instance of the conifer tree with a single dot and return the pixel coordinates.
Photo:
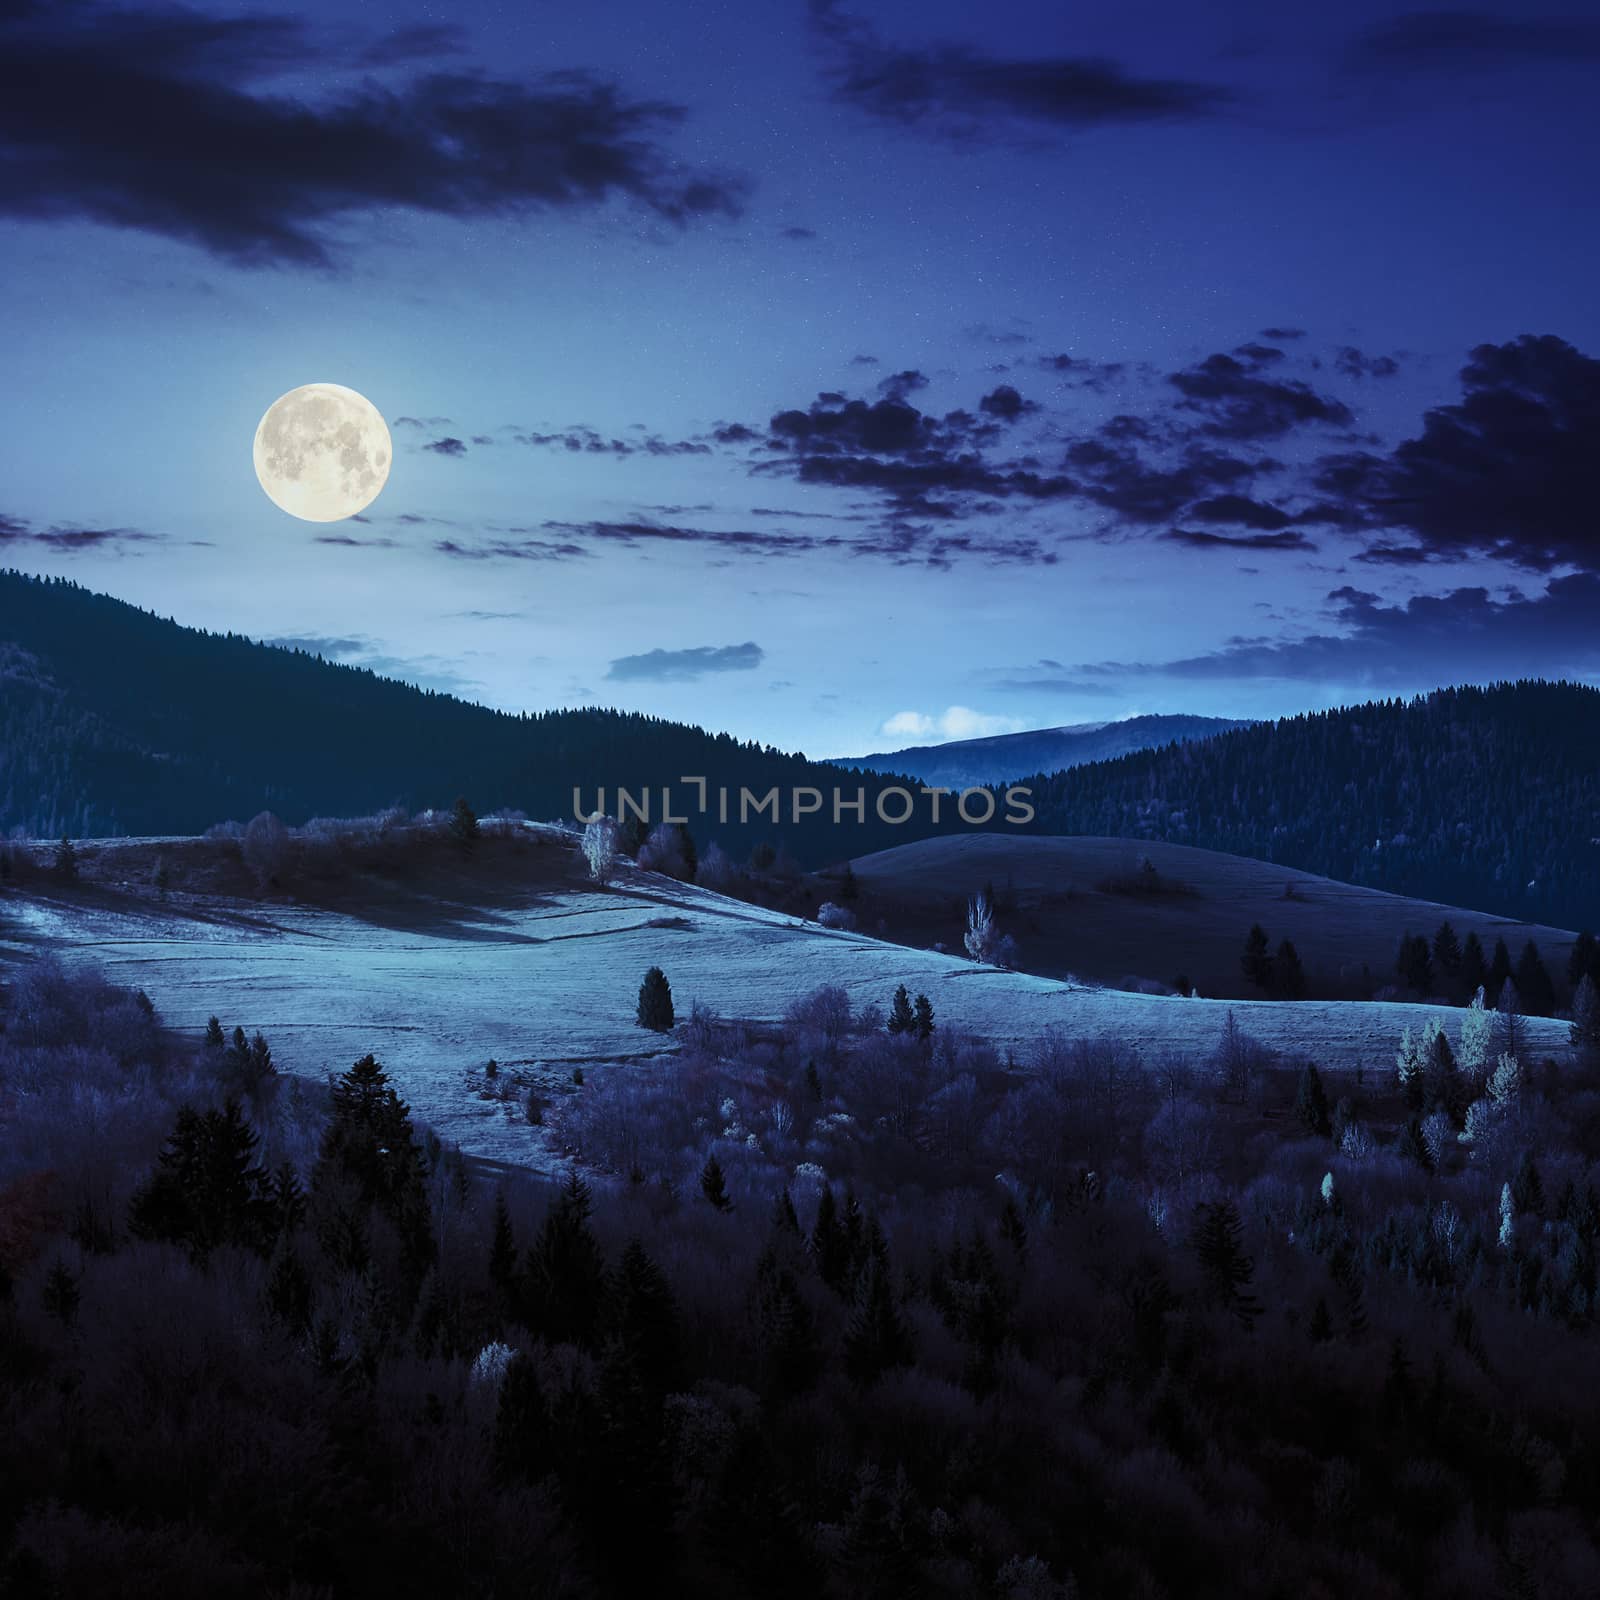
(849, 886)
(1474, 969)
(65, 865)
(1311, 1102)
(713, 1186)
(1411, 1146)
(566, 1272)
(1585, 1031)
(463, 826)
(1533, 983)
(502, 1248)
(214, 1039)
(1442, 1087)
(877, 1337)
(1288, 975)
(655, 1002)
(924, 1017)
(1256, 961)
(289, 1291)
(830, 1246)
(1414, 964)
(1527, 1186)
(1499, 971)
(1509, 1009)
(641, 1320)
(1219, 1248)
(1447, 953)
(786, 1336)
(902, 1019)
(784, 1219)
(1584, 960)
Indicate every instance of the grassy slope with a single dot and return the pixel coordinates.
(1065, 924)
(514, 956)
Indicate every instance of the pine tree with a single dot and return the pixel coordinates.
(1584, 962)
(786, 1336)
(1288, 975)
(641, 1320)
(1218, 1245)
(1311, 1102)
(1409, 1062)
(369, 1144)
(1447, 953)
(1533, 983)
(849, 886)
(1527, 1186)
(1474, 969)
(1256, 962)
(214, 1039)
(207, 1190)
(502, 1248)
(289, 1291)
(65, 865)
(1499, 971)
(565, 1280)
(1509, 1009)
(785, 1221)
(713, 1186)
(463, 827)
(655, 1002)
(1442, 1088)
(829, 1244)
(877, 1337)
(1414, 964)
(902, 1019)
(924, 1017)
(1585, 1030)
(1411, 1146)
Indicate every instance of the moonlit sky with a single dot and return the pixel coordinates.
(842, 376)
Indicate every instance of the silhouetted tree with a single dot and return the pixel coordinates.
(1474, 969)
(502, 1249)
(713, 1185)
(1527, 1186)
(1584, 960)
(1499, 971)
(901, 1017)
(565, 1277)
(655, 1002)
(849, 885)
(1311, 1102)
(1585, 1030)
(463, 826)
(924, 1017)
(1256, 961)
(1414, 964)
(877, 1337)
(1288, 976)
(207, 1190)
(65, 865)
(1218, 1246)
(1447, 953)
(1533, 983)
(1411, 1146)
(215, 1039)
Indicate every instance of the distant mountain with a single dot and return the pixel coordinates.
(1002, 758)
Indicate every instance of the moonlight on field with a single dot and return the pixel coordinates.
(322, 452)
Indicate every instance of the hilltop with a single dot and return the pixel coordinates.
(1001, 758)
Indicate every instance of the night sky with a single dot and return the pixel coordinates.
(841, 376)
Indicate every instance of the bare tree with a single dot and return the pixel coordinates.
(984, 940)
(266, 848)
(600, 848)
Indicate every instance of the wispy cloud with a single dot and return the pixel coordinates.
(684, 666)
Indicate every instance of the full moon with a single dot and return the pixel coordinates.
(322, 452)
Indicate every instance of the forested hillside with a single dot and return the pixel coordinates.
(114, 721)
(1487, 798)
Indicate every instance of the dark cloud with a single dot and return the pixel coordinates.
(422, 41)
(1453, 40)
(1197, 540)
(1280, 334)
(349, 542)
(1241, 511)
(955, 92)
(1353, 364)
(446, 447)
(637, 533)
(799, 235)
(582, 440)
(864, 361)
(422, 422)
(1118, 478)
(66, 539)
(515, 549)
(1507, 471)
(684, 666)
(1096, 375)
(899, 384)
(1240, 404)
(1260, 355)
(1464, 636)
(159, 121)
(1006, 404)
(1396, 555)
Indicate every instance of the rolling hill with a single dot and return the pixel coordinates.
(1002, 758)
(517, 956)
(1086, 907)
